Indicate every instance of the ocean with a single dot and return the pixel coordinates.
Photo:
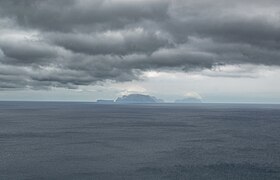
(72, 141)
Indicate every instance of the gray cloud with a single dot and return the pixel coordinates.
(67, 43)
(115, 43)
(71, 15)
(24, 52)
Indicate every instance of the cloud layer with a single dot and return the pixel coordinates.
(67, 43)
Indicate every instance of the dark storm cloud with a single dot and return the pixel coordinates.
(27, 52)
(67, 43)
(70, 15)
(119, 43)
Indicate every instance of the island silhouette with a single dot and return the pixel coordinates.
(144, 99)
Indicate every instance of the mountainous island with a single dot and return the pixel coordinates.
(144, 99)
(132, 99)
(188, 100)
(137, 98)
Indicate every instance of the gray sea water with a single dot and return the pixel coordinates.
(40, 140)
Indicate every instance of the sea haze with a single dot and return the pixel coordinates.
(54, 140)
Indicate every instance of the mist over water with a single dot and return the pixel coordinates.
(48, 140)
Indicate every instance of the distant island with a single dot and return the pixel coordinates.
(188, 100)
(137, 98)
(101, 101)
(132, 99)
(144, 99)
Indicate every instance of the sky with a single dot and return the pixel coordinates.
(84, 50)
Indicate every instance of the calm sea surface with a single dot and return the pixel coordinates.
(89, 141)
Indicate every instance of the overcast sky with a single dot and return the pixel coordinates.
(216, 50)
